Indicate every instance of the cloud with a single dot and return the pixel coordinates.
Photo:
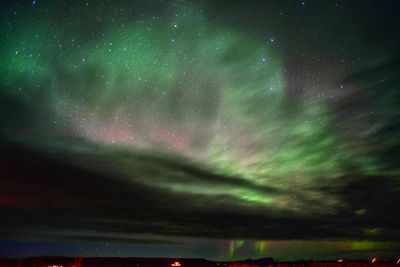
(58, 193)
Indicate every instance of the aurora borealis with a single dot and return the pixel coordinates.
(216, 129)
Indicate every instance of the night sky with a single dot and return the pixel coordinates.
(216, 129)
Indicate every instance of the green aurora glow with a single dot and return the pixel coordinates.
(178, 100)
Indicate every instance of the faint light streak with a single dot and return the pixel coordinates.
(373, 260)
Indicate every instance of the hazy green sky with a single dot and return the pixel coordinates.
(217, 129)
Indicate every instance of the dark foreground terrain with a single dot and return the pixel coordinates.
(180, 262)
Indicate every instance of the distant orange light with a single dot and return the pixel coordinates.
(177, 263)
